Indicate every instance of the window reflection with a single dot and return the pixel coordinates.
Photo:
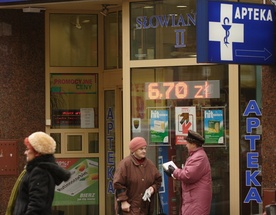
(163, 29)
(74, 100)
(142, 106)
(73, 40)
(113, 40)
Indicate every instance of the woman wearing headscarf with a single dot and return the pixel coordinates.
(136, 180)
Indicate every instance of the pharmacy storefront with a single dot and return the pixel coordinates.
(157, 69)
(172, 92)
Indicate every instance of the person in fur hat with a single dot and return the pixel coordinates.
(35, 192)
(136, 180)
(195, 178)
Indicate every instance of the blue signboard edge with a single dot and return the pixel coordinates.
(202, 33)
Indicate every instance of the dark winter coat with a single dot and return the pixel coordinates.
(36, 191)
(131, 179)
(196, 184)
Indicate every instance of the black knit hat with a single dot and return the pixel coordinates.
(194, 137)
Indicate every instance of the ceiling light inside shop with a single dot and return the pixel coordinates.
(148, 7)
(32, 10)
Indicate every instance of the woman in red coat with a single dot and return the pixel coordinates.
(195, 177)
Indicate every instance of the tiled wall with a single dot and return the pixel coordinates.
(22, 84)
(269, 134)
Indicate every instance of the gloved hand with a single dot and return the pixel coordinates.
(147, 195)
(171, 169)
(168, 173)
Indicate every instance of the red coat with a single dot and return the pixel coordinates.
(134, 178)
(196, 183)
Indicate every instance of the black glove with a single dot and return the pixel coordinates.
(171, 169)
(167, 173)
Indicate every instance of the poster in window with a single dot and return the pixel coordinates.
(185, 119)
(87, 117)
(159, 126)
(136, 125)
(214, 132)
(83, 186)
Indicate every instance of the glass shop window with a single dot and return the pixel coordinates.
(163, 29)
(113, 40)
(167, 102)
(73, 40)
(74, 100)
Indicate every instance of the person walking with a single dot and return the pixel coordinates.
(34, 190)
(136, 180)
(195, 177)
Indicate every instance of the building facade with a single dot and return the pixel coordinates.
(95, 74)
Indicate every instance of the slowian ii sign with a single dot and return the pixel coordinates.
(230, 32)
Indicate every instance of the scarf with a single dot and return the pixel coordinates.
(140, 161)
(13, 195)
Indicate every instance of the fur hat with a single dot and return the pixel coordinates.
(41, 142)
(137, 143)
(194, 137)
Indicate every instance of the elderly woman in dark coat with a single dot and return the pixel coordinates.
(136, 180)
(36, 191)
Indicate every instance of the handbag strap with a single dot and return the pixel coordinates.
(160, 203)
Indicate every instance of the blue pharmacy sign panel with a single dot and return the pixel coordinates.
(230, 32)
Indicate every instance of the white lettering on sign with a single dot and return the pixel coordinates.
(256, 14)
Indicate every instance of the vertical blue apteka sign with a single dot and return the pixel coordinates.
(230, 32)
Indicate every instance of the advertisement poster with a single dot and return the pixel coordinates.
(213, 126)
(159, 126)
(136, 125)
(83, 186)
(185, 119)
